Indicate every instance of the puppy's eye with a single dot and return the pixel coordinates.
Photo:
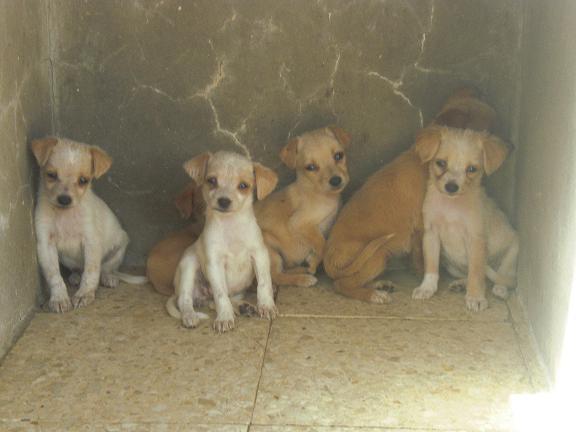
(52, 175)
(212, 181)
(471, 169)
(83, 181)
(312, 167)
(441, 163)
(243, 186)
(338, 156)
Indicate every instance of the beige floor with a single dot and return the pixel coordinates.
(327, 364)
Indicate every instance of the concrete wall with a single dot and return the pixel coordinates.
(24, 113)
(155, 82)
(546, 204)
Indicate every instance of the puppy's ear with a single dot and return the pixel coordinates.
(289, 152)
(495, 152)
(101, 162)
(42, 148)
(427, 143)
(341, 135)
(266, 180)
(185, 200)
(196, 167)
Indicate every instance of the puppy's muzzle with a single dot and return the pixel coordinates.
(451, 187)
(224, 203)
(64, 200)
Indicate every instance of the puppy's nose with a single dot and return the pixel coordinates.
(451, 187)
(64, 200)
(224, 202)
(335, 181)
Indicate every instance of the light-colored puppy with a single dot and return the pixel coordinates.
(462, 225)
(74, 227)
(230, 251)
(296, 219)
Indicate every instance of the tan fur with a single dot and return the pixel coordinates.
(74, 227)
(296, 219)
(383, 218)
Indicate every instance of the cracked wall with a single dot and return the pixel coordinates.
(24, 114)
(156, 82)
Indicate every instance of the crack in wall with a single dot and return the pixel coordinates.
(54, 123)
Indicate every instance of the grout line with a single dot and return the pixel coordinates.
(391, 318)
(261, 372)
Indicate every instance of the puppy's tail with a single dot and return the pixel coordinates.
(174, 312)
(360, 260)
(131, 279)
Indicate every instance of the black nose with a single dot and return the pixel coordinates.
(64, 200)
(451, 187)
(335, 181)
(224, 203)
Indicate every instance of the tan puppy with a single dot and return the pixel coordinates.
(73, 226)
(296, 219)
(164, 257)
(462, 225)
(384, 217)
(230, 251)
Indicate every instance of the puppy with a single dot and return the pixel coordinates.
(384, 217)
(164, 257)
(463, 227)
(296, 219)
(230, 251)
(74, 227)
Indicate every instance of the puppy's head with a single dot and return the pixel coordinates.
(319, 158)
(229, 180)
(459, 158)
(68, 168)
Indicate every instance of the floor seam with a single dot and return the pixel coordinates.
(261, 373)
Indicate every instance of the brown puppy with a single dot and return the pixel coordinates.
(164, 257)
(384, 217)
(296, 219)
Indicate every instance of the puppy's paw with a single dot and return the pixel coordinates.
(223, 325)
(500, 291)
(382, 285)
(247, 309)
(60, 304)
(305, 280)
(109, 280)
(458, 286)
(476, 304)
(74, 279)
(83, 299)
(192, 319)
(380, 297)
(423, 292)
(268, 311)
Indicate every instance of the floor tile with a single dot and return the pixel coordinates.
(390, 373)
(321, 300)
(123, 359)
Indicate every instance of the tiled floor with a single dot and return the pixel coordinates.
(327, 364)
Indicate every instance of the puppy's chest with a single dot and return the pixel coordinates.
(321, 214)
(67, 232)
(451, 222)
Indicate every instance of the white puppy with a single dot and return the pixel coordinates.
(230, 251)
(73, 226)
(461, 223)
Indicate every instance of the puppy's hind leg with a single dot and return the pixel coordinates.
(185, 282)
(112, 263)
(281, 277)
(505, 276)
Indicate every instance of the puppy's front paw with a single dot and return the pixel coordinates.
(382, 285)
(423, 292)
(60, 304)
(109, 280)
(191, 319)
(83, 299)
(380, 297)
(268, 311)
(223, 325)
(476, 304)
(500, 291)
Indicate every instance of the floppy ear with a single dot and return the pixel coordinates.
(101, 162)
(185, 200)
(266, 180)
(341, 135)
(42, 148)
(427, 143)
(196, 167)
(289, 152)
(495, 152)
